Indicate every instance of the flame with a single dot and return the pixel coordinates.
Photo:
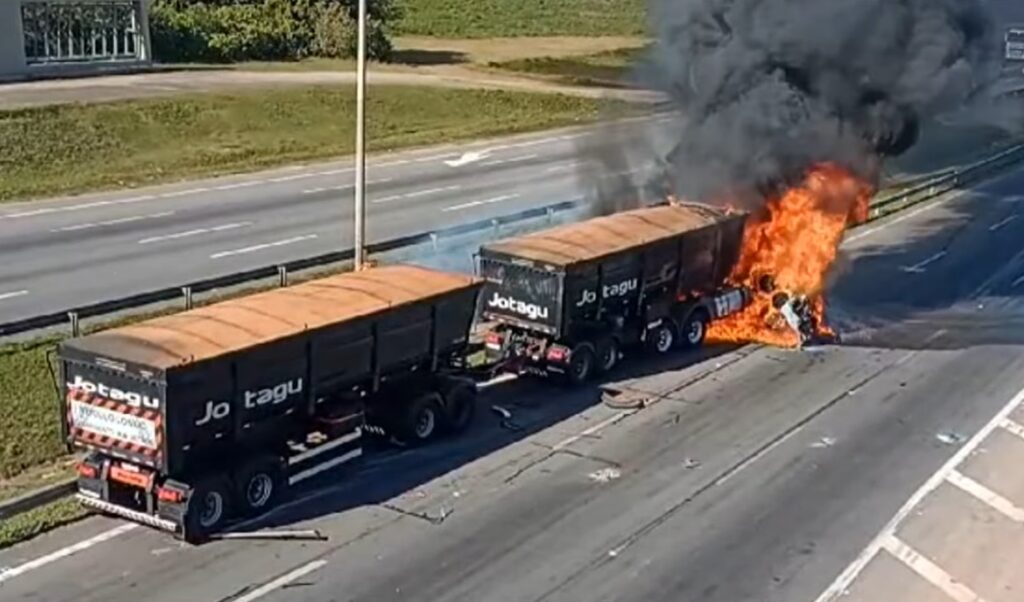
(794, 239)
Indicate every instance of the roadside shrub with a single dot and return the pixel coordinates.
(231, 31)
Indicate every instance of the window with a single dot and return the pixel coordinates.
(81, 31)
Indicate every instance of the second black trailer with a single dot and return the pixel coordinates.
(569, 299)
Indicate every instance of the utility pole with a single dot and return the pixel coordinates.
(360, 188)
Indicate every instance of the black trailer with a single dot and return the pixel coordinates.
(568, 299)
(196, 417)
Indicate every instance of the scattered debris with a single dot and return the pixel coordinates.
(951, 438)
(506, 418)
(624, 399)
(605, 475)
(690, 463)
(824, 442)
(267, 534)
(613, 553)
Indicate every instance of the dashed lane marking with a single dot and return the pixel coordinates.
(929, 571)
(282, 581)
(112, 222)
(196, 232)
(260, 247)
(13, 294)
(491, 201)
(919, 267)
(993, 499)
(65, 552)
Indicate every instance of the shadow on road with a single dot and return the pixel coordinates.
(387, 472)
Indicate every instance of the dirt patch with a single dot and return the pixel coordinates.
(490, 50)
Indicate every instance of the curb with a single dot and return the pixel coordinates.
(34, 499)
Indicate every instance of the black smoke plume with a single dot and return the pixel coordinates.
(764, 89)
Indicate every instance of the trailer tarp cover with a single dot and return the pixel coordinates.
(238, 324)
(603, 236)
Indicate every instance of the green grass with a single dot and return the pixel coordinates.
(601, 69)
(29, 412)
(76, 148)
(500, 18)
(28, 525)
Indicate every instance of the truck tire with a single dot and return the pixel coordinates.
(663, 337)
(459, 407)
(209, 507)
(582, 359)
(607, 349)
(259, 485)
(420, 420)
(695, 328)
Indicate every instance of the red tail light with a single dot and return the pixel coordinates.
(493, 339)
(88, 470)
(172, 496)
(557, 353)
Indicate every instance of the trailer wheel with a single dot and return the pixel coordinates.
(607, 354)
(663, 337)
(209, 507)
(259, 484)
(581, 364)
(695, 328)
(421, 419)
(460, 407)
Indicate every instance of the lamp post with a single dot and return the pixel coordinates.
(360, 187)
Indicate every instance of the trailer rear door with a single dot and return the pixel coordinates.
(521, 295)
(117, 412)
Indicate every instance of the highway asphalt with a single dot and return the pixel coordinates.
(66, 253)
(757, 475)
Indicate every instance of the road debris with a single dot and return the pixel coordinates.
(951, 438)
(690, 464)
(307, 534)
(506, 418)
(824, 442)
(624, 399)
(605, 475)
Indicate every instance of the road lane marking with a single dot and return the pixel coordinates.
(842, 583)
(919, 268)
(51, 210)
(298, 176)
(984, 494)
(238, 185)
(929, 571)
(65, 552)
(12, 295)
(413, 195)
(509, 160)
(281, 581)
(1013, 427)
(565, 167)
(1002, 223)
(190, 191)
(592, 430)
(497, 199)
(196, 232)
(112, 222)
(1017, 282)
(254, 248)
(343, 186)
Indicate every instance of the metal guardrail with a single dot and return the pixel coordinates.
(946, 180)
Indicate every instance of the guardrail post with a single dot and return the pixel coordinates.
(282, 275)
(75, 328)
(550, 213)
(433, 240)
(187, 292)
(496, 224)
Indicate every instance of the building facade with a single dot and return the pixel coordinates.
(56, 37)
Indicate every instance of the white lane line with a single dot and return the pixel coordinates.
(171, 195)
(1013, 427)
(929, 571)
(902, 217)
(843, 581)
(413, 195)
(1002, 223)
(509, 160)
(918, 268)
(12, 295)
(196, 232)
(281, 581)
(65, 552)
(51, 210)
(592, 430)
(564, 167)
(343, 187)
(112, 222)
(298, 176)
(984, 494)
(1017, 282)
(238, 185)
(278, 243)
(497, 199)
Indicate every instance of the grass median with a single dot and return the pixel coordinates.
(501, 18)
(76, 148)
(609, 68)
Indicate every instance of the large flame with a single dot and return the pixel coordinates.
(794, 240)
